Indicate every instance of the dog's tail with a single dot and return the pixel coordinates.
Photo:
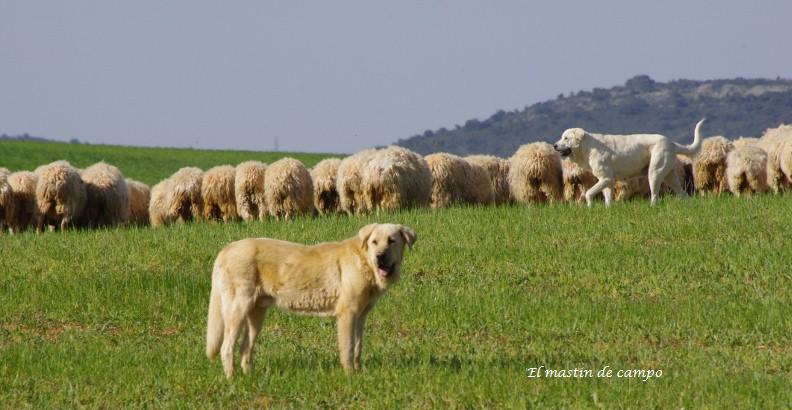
(694, 148)
(214, 325)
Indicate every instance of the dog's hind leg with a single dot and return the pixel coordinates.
(234, 312)
(254, 321)
(659, 167)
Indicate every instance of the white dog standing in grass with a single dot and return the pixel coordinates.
(620, 157)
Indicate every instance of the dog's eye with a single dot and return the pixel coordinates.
(390, 241)
(374, 242)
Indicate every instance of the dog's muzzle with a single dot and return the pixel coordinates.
(384, 267)
(564, 151)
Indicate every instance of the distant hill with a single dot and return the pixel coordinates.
(28, 137)
(738, 107)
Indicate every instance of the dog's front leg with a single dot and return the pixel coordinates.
(346, 340)
(599, 186)
(360, 324)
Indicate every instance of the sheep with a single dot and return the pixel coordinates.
(183, 195)
(60, 195)
(177, 198)
(535, 174)
(576, 181)
(249, 190)
(453, 181)
(746, 170)
(218, 194)
(288, 189)
(348, 180)
(634, 187)
(709, 166)
(777, 143)
(743, 141)
(158, 205)
(395, 178)
(107, 196)
(482, 192)
(638, 186)
(21, 210)
(325, 193)
(139, 198)
(498, 171)
(5, 197)
(685, 173)
(449, 179)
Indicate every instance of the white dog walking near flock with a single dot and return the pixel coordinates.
(620, 157)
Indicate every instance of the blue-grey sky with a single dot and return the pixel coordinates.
(338, 76)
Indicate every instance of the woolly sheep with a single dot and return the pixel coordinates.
(452, 181)
(709, 166)
(396, 178)
(746, 170)
(288, 189)
(480, 185)
(60, 195)
(498, 171)
(249, 190)
(638, 186)
(777, 143)
(139, 198)
(21, 210)
(218, 195)
(535, 174)
(685, 173)
(743, 141)
(5, 197)
(107, 196)
(158, 205)
(348, 181)
(325, 193)
(576, 181)
(183, 196)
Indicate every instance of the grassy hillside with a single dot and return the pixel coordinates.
(699, 289)
(149, 165)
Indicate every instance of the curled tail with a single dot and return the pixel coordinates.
(694, 148)
(214, 325)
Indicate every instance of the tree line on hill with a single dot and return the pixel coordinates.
(733, 108)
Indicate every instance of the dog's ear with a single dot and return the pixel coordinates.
(409, 235)
(365, 232)
(576, 136)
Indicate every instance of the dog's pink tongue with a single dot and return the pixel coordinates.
(383, 272)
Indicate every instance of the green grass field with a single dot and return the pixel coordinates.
(149, 165)
(698, 289)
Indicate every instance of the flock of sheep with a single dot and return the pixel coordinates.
(59, 196)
